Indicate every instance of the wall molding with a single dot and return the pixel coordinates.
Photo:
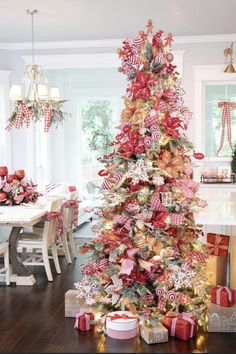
(110, 43)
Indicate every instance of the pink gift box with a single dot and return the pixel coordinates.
(122, 334)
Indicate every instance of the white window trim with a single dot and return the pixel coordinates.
(211, 74)
(5, 112)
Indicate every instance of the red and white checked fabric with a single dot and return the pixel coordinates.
(48, 114)
(120, 219)
(90, 269)
(226, 123)
(151, 119)
(161, 304)
(27, 114)
(162, 106)
(198, 256)
(19, 116)
(145, 215)
(183, 298)
(58, 219)
(73, 202)
(9, 127)
(156, 203)
(176, 219)
(127, 225)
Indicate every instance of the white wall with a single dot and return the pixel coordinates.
(194, 54)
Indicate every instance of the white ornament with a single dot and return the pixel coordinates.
(114, 289)
(87, 289)
(182, 276)
(138, 171)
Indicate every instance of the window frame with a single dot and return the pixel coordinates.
(207, 74)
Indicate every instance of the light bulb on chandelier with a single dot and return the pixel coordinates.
(35, 101)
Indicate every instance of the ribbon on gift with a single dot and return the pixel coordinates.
(87, 320)
(75, 203)
(58, 219)
(214, 248)
(218, 292)
(123, 317)
(187, 316)
(48, 114)
(226, 123)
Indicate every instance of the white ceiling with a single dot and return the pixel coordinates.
(62, 20)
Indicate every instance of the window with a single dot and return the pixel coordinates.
(99, 118)
(215, 93)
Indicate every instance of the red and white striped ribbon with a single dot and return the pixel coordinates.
(226, 123)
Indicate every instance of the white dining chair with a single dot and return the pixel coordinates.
(34, 247)
(69, 211)
(4, 251)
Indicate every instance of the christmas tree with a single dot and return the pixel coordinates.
(146, 256)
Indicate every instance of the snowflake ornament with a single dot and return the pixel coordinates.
(182, 277)
(138, 171)
(87, 289)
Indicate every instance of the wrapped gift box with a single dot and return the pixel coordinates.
(122, 325)
(221, 319)
(181, 325)
(218, 245)
(216, 270)
(221, 295)
(84, 321)
(151, 335)
(73, 304)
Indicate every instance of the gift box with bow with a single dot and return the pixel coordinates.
(84, 321)
(221, 295)
(181, 325)
(218, 245)
(151, 335)
(121, 325)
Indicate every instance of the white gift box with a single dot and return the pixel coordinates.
(121, 325)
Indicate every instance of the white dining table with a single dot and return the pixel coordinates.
(221, 210)
(17, 217)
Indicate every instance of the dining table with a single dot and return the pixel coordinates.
(18, 217)
(221, 211)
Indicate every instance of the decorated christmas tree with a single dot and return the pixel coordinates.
(146, 256)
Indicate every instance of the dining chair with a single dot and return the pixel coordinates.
(4, 251)
(69, 216)
(34, 247)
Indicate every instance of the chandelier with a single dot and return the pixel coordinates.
(35, 101)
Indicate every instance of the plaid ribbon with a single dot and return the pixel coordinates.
(58, 219)
(156, 204)
(73, 202)
(197, 256)
(23, 111)
(48, 114)
(176, 219)
(226, 122)
(120, 219)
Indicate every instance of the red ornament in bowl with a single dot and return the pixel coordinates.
(20, 174)
(3, 171)
(3, 196)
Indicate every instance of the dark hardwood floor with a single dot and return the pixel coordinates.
(32, 321)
